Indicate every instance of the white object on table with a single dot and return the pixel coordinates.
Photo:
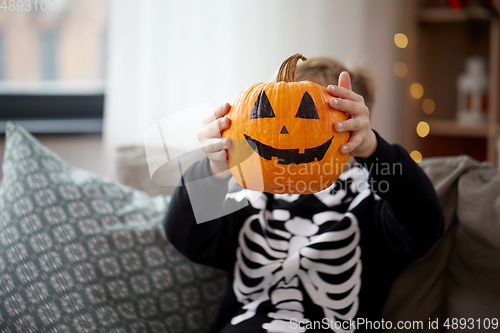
(472, 87)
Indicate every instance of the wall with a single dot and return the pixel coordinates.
(383, 19)
(169, 55)
(161, 61)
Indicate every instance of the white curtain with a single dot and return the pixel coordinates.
(168, 55)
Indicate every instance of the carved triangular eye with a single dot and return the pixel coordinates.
(262, 108)
(307, 108)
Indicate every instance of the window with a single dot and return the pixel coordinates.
(49, 55)
(53, 65)
(2, 70)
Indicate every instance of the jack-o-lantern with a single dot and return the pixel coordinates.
(283, 135)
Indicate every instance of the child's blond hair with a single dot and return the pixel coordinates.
(325, 71)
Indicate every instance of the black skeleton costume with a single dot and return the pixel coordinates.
(294, 260)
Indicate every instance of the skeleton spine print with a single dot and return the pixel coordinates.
(281, 257)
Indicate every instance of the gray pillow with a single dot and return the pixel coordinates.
(80, 253)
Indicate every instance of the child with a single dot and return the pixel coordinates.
(318, 262)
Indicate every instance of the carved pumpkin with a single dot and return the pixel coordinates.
(283, 135)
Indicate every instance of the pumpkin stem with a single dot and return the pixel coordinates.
(287, 69)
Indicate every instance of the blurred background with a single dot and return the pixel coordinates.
(89, 77)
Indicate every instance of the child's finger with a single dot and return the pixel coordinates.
(218, 113)
(352, 144)
(213, 129)
(218, 156)
(214, 145)
(352, 124)
(344, 93)
(345, 105)
(345, 80)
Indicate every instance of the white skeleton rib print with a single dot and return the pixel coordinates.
(281, 258)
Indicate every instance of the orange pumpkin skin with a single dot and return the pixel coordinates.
(289, 151)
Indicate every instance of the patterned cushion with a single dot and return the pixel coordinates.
(79, 253)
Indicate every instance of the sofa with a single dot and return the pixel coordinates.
(81, 253)
(459, 279)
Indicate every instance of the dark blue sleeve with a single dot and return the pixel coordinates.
(214, 242)
(409, 202)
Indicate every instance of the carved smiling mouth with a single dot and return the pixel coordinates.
(289, 156)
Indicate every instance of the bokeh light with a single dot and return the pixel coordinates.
(416, 90)
(423, 129)
(428, 106)
(416, 156)
(400, 69)
(454, 4)
(400, 40)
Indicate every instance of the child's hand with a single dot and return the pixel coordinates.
(363, 141)
(212, 144)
